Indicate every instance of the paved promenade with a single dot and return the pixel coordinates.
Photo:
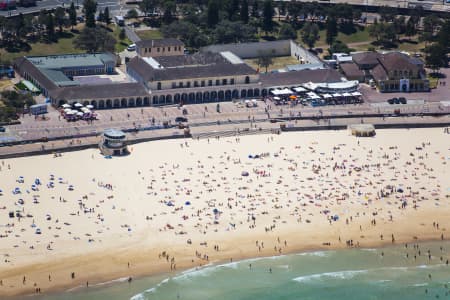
(206, 122)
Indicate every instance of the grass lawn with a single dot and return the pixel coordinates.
(120, 45)
(359, 36)
(64, 45)
(149, 34)
(361, 41)
(278, 63)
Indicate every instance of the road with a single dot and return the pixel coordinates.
(131, 35)
(115, 7)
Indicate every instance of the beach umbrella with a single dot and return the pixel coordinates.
(400, 190)
(78, 105)
(215, 211)
(90, 106)
(244, 173)
(250, 156)
(187, 203)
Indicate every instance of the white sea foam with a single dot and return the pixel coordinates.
(339, 275)
(368, 249)
(141, 296)
(283, 266)
(317, 253)
(383, 280)
(204, 271)
(122, 279)
(420, 284)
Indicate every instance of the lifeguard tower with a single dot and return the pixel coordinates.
(113, 143)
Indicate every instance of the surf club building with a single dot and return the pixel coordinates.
(209, 75)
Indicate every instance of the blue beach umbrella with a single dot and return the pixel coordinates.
(187, 203)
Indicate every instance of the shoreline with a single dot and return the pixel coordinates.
(139, 272)
(134, 223)
(187, 270)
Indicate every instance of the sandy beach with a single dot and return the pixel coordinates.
(80, 219)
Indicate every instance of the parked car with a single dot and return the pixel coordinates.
(2, 129)
(131, 47)
(402, 100)
(181, 119)
(390, 101)
(396, 101)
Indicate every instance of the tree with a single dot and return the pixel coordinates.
(232, 7)
(268, 12)
(430, 25)
(410, 28)
(400, 24)
(50, 26)
(169, 7)
(436, 57)
(244, 11)
(213, 13)
(265, 60)
(255, 9)
(310, 34)
(332, 30)
(148, 6)
(443, 37)
(339, 47)
(233, 32)
(294, 9)
(90, 8)
(72, 15)
(122, 34)
(287, 32)
(132, 14)
(387, 13)
(60, 15)
(106, 16)
(95, 40)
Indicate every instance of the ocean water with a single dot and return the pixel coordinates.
(384, 273)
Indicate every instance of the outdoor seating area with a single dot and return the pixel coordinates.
(77, 111)
(307, 97)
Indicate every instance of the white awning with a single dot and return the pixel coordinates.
(299, 89)
(346, 94)
(278, 92)
(312, 95)
(337, 95)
